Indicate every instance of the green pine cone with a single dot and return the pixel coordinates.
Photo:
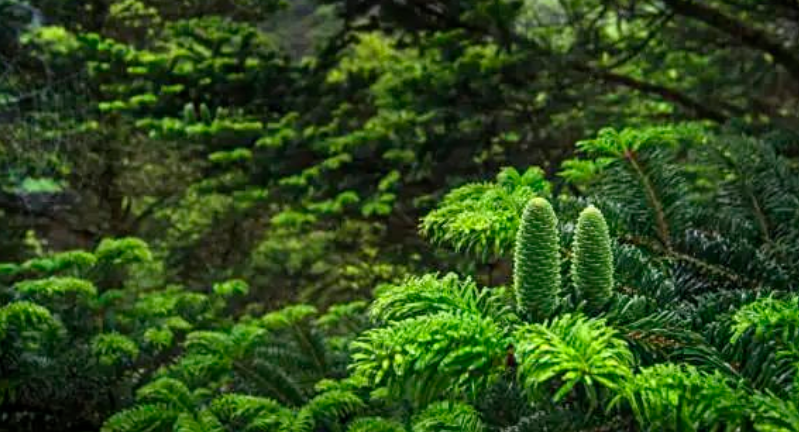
(592, 263)
(537, 261)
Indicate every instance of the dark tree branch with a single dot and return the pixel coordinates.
(655, 32)
(749, 36)
(669, 94)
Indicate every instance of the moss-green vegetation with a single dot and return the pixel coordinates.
(327, 216)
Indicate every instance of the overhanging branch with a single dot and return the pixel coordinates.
(749, 36)
(669, 94)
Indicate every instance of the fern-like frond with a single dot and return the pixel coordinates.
(208, 343)
(127, 250)
(670, 397)
(149, 417)
(639, 273)
(244, 412)
(22, 316)
(375, 424)
(159, 337)
(580, 354)
(429, 356)
(288, 316)
(167, 392)
(769, 317)
(46, 289)
(333, 405)
(765, 342)
(774, 414)
(639, 185)
(71, 262)
(327, 408)
(430, 294)
(447, 415)
(345, 318)
(270, 380)
(114, 348)
(233, 287)
(203, 422)
(481, 219)
(199, 369)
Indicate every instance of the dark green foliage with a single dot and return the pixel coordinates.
(537, 281)
(592, 261)
(211, 214)
(672, 343)
(281, 357)
(72, 342)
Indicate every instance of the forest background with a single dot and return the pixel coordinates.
(301, 152)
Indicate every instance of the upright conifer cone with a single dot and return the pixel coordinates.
(537, 261)
(592, 265)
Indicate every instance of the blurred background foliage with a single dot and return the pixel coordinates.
(215, 130)
(305, 150)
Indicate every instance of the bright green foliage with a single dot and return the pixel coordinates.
(775, 414)
(54, 287)
(287, 317)
(764, 336)
(244, 410)
(592, 260)
(375, 424)
(536, 274)
(76, 262)
(24, 316)
(163, 403)
(680, 345)
(582, 355)
(114, 348)
(159, 337)
(448, 416)
(231, 288)
(481, 218)
(430, 294)
(64, 338)
(280, 356)
(329, 407)
(123, 251)
(674, 398)
(611, 143)
(425, 357)
(275, 157)
(249, 358)
(142, 417)
(769, 318)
